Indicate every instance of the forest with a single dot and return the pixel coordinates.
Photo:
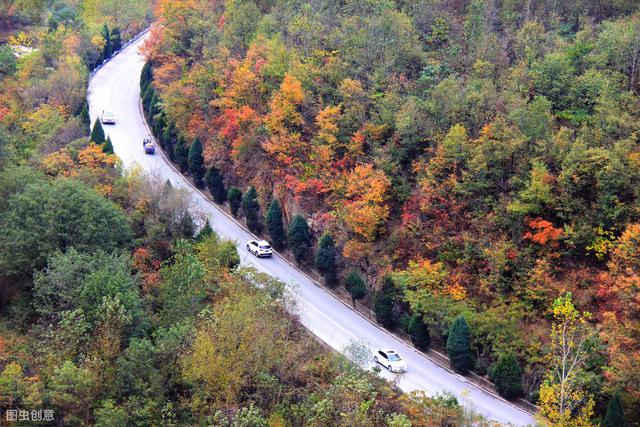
(116, 308)
(468, 169)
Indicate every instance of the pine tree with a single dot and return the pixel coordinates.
(299, 238)
(215, 184)
(615, 415)
(84, 117)
(97, 134)
(355, 285)
(116, 40)
(419, 333)
(147, 96)
(181, 154)
(169, 138)
(107, 50)
(145, 77)
(458, 345)
(196, 162)
(326, 259)
(507, 376)
(275, 225)
(234, 196)
(204, 232)
(108, 146)
(158, 129)
(383, 303)
(251, 210)
(153, 108)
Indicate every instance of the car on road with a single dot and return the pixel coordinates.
(260, 248)
(390, 360)
(149, 146)
(108, 117)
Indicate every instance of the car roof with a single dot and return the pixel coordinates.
(263, 242)
(387, 350)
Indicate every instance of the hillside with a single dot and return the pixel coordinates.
(472, 160)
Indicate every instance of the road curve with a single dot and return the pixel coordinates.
(116, 87)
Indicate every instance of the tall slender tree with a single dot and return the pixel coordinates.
(215, 184)
(84, 117)
(116, 40)
(326, 258)
(615, 415)
(459, 345)
(251, 209)
(196, 162)
(181, 154)
(234, 195)
(106, 36)
(354, 284)
(299, 238)
(275, 225)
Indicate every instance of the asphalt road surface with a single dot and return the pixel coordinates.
(116, 87)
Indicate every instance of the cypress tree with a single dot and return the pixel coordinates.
(383, 303)
(326, 259)
(153, 108)
(146, 98)
(106, 51)
(196, 162)
(275, 226)
(97, 134)
(234, 195)
(84, 117)
(459, 345)
(145, 76)
(187, 227)
(507, 376)
(299, 238)
(158, 129)
(355, 285)
(181, 154)
(419, 333)
(251, 210)
(215, 184)
(116, 40)
(615, 415)
(204, 232)
(169, 138)
(108, 146)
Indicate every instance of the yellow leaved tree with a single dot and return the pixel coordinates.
(564, 400)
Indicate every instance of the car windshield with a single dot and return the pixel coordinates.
(394, 358)
(265, 247)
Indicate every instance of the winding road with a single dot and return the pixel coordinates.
(116, 87)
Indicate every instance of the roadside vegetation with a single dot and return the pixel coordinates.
(116, 308)
(469, 168)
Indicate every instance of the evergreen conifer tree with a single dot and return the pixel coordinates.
(275, 225)
(181, 154)
(97, 134)
(196, 162)
(326, 258)
(251, 210)
(507, 376)
(299, 238)
(459, 345)
(215, 184)
(383, 303)
(615, 415)
(234, 196)
(355, 285)
(419, 333)
(116, 40)
(108, 146)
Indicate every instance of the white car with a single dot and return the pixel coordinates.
(260, 248)
(108, 117)
(390, 360)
